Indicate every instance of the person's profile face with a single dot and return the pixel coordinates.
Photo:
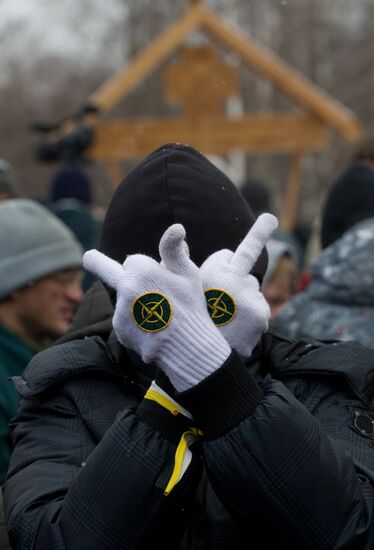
(47, 306)
(281, 286)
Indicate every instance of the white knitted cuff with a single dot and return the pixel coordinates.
(185, 365)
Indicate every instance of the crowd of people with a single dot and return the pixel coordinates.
(176, 376)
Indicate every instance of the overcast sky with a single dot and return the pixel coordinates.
(31, 28)
(85, 31)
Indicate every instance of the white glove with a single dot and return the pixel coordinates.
(161, 310)
(235, 301)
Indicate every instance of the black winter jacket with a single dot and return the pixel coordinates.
(285, 462)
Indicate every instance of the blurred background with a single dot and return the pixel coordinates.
(55, 54)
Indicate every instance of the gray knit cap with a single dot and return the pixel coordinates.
(33, 244)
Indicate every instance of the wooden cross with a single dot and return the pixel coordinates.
(200, 82)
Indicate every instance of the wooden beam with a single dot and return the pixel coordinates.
(117, 87)
(290, 204)
(285, 78)
(264, 133)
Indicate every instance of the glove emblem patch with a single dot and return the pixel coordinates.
(221, 306)
(152, 312)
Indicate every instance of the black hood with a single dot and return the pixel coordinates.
(176, 184)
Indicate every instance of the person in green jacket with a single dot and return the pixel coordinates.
(40, 262)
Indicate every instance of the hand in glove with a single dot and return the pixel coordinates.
(234, 299)
(161, 310)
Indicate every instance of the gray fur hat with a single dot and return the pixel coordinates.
(8, 180)
(33, 244)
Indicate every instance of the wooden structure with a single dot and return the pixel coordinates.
(202, 83)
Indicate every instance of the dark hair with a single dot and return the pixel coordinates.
(364, 150)
(350, 200)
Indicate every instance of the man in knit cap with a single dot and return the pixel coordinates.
(191, 425)
(39, 291)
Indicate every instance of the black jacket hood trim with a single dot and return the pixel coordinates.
(81, 357)
(279, 356)
(62, 361)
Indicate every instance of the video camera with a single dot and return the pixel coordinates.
(60, 144)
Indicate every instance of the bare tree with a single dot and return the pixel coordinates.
(329, 41)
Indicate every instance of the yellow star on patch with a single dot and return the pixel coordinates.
(221, 306)
(152, 312)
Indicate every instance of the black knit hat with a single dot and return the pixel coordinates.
(350, 200)
(71, 182)
(176, 184)
(257, 196)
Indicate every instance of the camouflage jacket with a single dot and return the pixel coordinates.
(339, 302)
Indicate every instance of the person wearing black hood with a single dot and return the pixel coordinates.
(191, 425)
(338, 303)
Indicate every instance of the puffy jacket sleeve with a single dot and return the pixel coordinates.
(285, 481)
(66, 490)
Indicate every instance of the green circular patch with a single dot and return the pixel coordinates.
(221, 306)
(152, 312)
